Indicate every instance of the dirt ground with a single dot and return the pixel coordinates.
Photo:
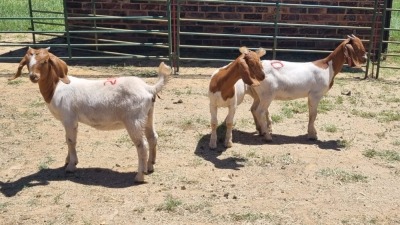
(351, 175)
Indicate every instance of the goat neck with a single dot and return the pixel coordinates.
(48, 82)
(224, 81)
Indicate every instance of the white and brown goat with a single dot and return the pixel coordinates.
(292, 80)
(227, 88)
(105, 104)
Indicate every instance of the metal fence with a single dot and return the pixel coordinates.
(176, 52)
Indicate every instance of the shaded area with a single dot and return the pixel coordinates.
(86, 176)
(251, 138)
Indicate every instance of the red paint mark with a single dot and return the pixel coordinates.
(276, 64)
(112, 81)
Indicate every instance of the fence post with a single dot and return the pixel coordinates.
(371, 40)
(381, 38)
(32, 23)
(66, 26)
(277, 14)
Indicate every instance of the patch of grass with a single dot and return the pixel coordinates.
(342, 176)
(396, 143)
(37, 103)
(325, 106)
(21, 9)
(389, 116)
(15, 82)
(265, 161)
(388, 155)
(45, 163)
(124, 139)
(295, 107)
(367, 115)
(170, 204)
(246, 217)
(331, 128)
(339, 100)
(276, 118)
(198, 207)
(343, 143)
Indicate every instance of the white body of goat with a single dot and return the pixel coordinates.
(106, 104)
(291, 80)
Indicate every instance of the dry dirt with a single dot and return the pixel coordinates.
(351, 175)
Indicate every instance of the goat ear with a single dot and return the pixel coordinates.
(350, 55)
(60, 68)
(244, 50)
(24, 61)
(246, 75)
(260, 52)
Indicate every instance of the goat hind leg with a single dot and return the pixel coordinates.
(229, 126)
(135, 131)
(312, 115)
(214, 124)
(152, 137)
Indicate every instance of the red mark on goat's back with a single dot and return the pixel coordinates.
(112, 81)
(276, 64)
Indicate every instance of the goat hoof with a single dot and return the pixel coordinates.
(139, 178)
(228, 144)
(213, 146)
(312, 138)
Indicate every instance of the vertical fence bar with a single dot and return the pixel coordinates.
(32, 23)
(276, 28)
(381, 38)
(371, 40)
(178, 30)
(95, 25)
(66, 28)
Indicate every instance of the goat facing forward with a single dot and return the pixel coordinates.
(227, 88)
(292, 80)
(115, 103)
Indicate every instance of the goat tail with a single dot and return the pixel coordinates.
(163, 73)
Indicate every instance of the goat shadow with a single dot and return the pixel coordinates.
(86, 176)
(251, 138)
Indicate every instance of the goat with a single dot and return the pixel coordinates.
(115, 103)
(291, 80)
(26, 59)
(227, 89)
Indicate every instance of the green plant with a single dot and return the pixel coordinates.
(389, 116)
(331, 128)
(342, 175)
(170, 204)
(45, 164)
(388, 155)
(15, 82)
(276, 118)
(325, 106)
(367, 115)
(248, 217)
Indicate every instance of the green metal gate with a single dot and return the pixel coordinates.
(87, 38)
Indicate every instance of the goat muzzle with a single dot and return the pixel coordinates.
(34, 77)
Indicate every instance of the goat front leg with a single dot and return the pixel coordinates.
(71, 133)
(312, 115)
(214, 124)
(229, 126)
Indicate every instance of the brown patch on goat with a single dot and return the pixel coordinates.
(247, 67)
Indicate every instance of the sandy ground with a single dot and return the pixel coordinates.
(351, 175)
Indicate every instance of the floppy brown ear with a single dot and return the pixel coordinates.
(350, 54)
(245, 73)
(261, 52)
(60, 68)
(24, 61)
